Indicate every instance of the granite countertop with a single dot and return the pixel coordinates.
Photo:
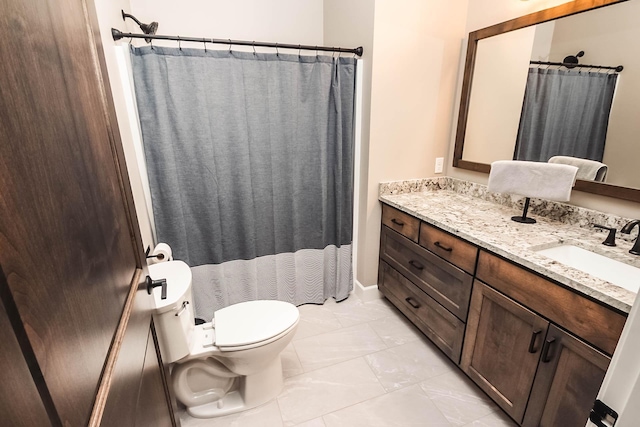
(489, 226)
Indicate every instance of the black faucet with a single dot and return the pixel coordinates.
(611, 238)
(627, 230)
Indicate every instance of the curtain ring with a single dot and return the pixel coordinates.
(230, 46)
(179, 45)
(254, 47)
(277, 51)
(151, 43)
(316, 51)
(299, 51)
(205, 45)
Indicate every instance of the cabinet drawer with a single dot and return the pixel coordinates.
(585, 318)
(444, 282)
(401, 222)
(436, 322)
(451, 248)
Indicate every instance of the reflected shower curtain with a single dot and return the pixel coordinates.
(250, 164)
(565, 113)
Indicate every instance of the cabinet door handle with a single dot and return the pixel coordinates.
(545, 350)
(532, 343)
(444, 248)
(412, 302)
(397, 222)
(415, 264)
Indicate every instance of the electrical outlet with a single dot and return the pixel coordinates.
(439, 164)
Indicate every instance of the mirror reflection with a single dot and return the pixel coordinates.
(523, 108)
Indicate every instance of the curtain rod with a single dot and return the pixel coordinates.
(618, 68)
(117, 35)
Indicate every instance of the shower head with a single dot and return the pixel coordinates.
(146, 28)
(572, 61)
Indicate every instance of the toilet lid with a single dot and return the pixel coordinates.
(253, 321)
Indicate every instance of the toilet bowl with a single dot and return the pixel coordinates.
(229, 364)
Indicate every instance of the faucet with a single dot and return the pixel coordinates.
(635, 250)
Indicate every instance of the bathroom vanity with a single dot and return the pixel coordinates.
(535, 335)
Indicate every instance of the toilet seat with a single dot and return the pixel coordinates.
(252, 324)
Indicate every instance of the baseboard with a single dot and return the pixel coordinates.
(366, 293)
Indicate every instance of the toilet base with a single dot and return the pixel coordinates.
(254, 390)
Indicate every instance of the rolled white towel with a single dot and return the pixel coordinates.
(532, 179)
(589, 170)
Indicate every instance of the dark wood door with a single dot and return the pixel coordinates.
(567, 383)
(502, 348)
(70, 246)
(20, 402)
(138, 361)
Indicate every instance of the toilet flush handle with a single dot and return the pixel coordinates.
(155, 283)
(184, 307)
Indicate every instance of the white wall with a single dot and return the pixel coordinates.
(280, 21)
(415, 61)
(484, 13)
(109, 16)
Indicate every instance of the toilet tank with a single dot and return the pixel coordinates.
(173, 317)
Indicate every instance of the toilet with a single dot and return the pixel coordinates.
(229, 364)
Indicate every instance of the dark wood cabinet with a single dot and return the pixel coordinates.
(401, 222)
(537, 348)
(569, 376)
(430, 290)
(593, 322)
(441, 280)
(522, 361)
(436, 322)
(502, 348)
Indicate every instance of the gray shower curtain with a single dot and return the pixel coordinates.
(250, 164)
(565, 113)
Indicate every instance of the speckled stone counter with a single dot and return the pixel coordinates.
(468, 211)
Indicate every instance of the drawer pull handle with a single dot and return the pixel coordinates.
(545, 350)
(532, 343)
(444, 248)
(397, 222)
(416, 265)
(412, 302)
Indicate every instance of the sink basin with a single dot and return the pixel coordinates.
(616, 272)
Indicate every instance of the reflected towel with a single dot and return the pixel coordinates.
(589, 170)
(532, 179)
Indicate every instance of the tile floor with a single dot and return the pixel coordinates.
(363, 364)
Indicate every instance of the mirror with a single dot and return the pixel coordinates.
(495, 78)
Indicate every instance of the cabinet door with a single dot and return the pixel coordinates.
(567, 383)
(502, 348)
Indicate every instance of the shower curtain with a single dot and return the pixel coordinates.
(250, 165)
(565, 113)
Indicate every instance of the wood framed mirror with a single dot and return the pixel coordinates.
(624, 187)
